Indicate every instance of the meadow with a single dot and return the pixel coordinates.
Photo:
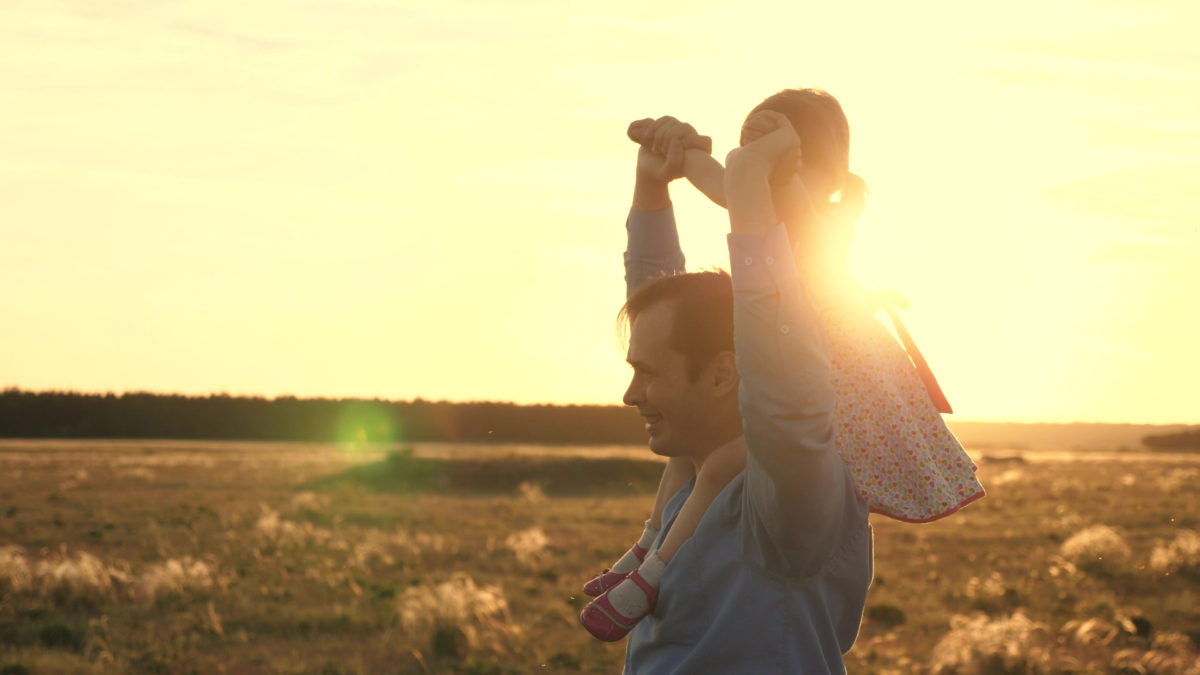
(175, 557)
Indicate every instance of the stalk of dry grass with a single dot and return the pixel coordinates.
(80, 576)
(15, 573)
(527, 545)
(176, 577)
(1097, 548)
(979, 645)
(457, 609)
(1179, 556)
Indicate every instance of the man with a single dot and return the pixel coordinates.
(775, 577)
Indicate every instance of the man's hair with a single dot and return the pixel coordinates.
(702, 325)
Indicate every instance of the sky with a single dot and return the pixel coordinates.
(418, 198)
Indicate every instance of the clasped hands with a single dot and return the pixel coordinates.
(769, 152)
(766, 136)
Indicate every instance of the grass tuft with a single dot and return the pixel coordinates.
(977, 644)
(1099, 548)
(458, 616)
(1181, 556)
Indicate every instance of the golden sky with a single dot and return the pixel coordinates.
(426, 198)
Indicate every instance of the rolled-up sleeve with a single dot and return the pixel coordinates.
(796, 482)
(653, 247)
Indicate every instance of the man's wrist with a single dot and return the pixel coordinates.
(650, 195)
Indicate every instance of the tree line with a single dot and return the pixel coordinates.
(1184, 440)
(54, 414)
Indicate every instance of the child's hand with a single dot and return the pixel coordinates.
(768, 140)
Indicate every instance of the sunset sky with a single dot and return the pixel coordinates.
(419, 198)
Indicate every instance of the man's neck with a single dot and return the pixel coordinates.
(736, 439)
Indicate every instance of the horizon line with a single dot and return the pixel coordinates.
(976, 420)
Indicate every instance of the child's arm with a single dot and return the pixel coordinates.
(704, 172)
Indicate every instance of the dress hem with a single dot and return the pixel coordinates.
(905, 519)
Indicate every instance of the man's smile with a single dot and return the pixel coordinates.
(651, 420)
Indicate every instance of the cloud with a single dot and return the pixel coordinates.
(1153, 250)
(1134, 35)
(1161, 198)
(1168, 133)
(111, 9)
(237, 38)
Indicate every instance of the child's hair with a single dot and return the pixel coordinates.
(825, 146)
(825, 142)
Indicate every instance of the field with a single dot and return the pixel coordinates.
(168, 557)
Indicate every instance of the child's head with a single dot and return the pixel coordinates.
(824, 145)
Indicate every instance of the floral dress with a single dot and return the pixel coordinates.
(907, 463)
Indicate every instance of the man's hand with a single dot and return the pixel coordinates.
(653, 167)
(656, 133)
(660, 158)
(664, 141)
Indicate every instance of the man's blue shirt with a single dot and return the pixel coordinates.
(775, 578)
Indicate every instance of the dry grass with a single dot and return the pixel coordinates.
(169, 557)
(978, 645)
(457, 617)
(1099, 548)
(527, 545)
(1179, 556)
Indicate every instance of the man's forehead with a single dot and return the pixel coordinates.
(650, 334)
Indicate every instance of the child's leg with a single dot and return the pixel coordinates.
(632, 598)
(677, 472)
(716, 472)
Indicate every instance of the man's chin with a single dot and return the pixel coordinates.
(661, 448)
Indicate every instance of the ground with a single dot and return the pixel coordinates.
(153, 556)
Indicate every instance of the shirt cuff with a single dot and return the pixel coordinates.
(762, 262)
(653, 233)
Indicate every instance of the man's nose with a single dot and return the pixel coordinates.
(633, 393)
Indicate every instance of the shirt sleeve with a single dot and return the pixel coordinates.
(797, 488)
(652, 249)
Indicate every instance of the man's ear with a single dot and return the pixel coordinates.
(723, 374)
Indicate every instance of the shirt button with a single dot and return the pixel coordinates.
(770, 260)
(784, 329)
(749, 260)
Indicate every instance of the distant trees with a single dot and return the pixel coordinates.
(26, 414)
(1184, 440)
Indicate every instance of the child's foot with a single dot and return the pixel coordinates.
(610, 578)
(611, 616)
(628, 563)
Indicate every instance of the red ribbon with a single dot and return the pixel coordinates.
(931, 385)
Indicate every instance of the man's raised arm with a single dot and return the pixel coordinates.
(653, 247)
(798, 492)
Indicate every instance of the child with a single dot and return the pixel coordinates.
(906, 463)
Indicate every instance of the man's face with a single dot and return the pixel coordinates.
(677, 411)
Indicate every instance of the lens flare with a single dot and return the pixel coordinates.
(363, 423)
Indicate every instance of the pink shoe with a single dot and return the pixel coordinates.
(608, 578)
(605, 623)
